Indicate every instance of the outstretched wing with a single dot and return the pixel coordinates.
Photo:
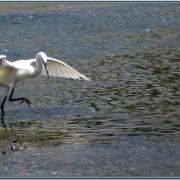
(3, 61)
(58, 68)
(7, 72)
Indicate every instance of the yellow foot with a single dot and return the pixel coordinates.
(25, 99)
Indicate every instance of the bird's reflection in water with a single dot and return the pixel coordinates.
(10, 144)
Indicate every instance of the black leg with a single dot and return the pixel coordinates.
(2, 106)
(3, 122)
(22, 99)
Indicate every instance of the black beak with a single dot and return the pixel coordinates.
(46, 69)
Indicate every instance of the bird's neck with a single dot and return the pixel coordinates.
(38, 68)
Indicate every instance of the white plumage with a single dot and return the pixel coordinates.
(59, 68)
(13, 72)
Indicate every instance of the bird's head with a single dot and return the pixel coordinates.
(43, 57)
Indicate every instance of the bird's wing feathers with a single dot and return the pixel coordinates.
(6, 65)
(7, 71)
(3, 62)
(58, 68)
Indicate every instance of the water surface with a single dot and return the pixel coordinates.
(123, 123)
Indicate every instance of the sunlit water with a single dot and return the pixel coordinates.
(125, 122)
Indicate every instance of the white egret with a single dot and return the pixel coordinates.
(13, 72)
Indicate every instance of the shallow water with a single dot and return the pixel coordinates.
(123, 123)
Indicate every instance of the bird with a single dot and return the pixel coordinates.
(11, 73)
